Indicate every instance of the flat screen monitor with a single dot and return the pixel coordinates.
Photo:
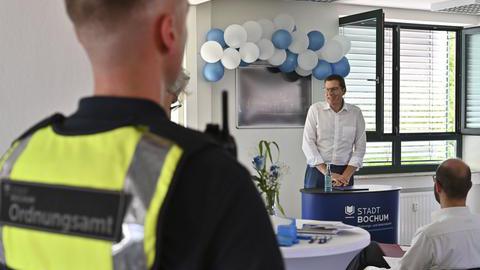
(268, 98)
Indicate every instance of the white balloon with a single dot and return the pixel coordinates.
(249, 52)
(278, 57)
(254, 31)
(300, 42)
(307, 60)
(345, 42)
(284, 21)
(231, 58)
(211, 51)
(266, 49)
(235, 36)
(267, 28)
(302, 72)
(332, 52)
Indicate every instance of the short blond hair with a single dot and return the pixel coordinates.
(105, 13)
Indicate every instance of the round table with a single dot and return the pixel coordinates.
(335, 254)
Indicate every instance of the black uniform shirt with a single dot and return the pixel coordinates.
(212, 217)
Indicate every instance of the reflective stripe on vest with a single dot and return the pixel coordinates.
(125, 159)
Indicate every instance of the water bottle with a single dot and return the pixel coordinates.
(328, 180)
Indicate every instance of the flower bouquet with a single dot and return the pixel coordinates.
(269, 172)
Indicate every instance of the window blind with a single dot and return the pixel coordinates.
(361, 87)
(472, 59)
(427, 81)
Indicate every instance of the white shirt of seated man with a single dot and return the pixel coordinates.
(452, 240)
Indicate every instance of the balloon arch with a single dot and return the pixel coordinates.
(280, 44)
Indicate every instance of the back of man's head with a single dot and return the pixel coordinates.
(100, 13)
(135, 47)
(455, 178)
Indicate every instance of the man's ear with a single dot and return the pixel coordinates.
(437, 187)
(165, 36)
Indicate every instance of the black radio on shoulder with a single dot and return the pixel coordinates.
(222, 136)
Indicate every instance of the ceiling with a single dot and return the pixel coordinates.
(464, 7)
(408, 4)
(197, 2)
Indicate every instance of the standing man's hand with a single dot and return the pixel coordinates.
(322, 168)
(340, 180)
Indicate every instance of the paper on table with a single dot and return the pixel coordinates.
(393, 262)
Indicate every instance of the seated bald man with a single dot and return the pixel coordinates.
(452, 240)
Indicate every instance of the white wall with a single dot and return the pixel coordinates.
(309, 16)
(42, 67)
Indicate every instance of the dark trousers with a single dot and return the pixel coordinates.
(372, 255)
(315, 179)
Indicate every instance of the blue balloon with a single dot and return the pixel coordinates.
(341, 68)
(213, 72)
(217, 35)
(322, 70)
(282, 39)
(317, 40)
(244, 64)
(290, 63)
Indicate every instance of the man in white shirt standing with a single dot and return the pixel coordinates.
(334, 134)
(452, 240)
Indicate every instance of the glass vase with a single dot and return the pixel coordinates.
(270, 203)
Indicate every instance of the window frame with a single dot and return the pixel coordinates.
(379, 16)
(464, 130)
(395, 137)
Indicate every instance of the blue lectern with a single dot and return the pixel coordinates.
(371, 207)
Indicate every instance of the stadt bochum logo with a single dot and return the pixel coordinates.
(349, 210)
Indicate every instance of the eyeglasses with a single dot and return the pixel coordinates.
(435, 180)
(175, 106)
(333, 90)
(181, 83)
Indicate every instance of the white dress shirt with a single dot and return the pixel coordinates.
(451, 241)
(334, 138)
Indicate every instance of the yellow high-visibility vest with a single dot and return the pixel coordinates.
(127, 162)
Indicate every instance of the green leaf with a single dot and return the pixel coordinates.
(260, 148)
(278, 150)
(269, 153)
(277, 198)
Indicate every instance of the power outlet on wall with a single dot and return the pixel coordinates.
(415, 207)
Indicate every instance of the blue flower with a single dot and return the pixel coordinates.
(258, 162)
(274, 171)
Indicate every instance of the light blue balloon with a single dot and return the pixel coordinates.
(290, 63)
(322, 70)
(213, 72)
(317, 40)
(217, 35)
(282, 39)
(341, 68)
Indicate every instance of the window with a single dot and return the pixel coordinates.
(419, 124)
(471, 87)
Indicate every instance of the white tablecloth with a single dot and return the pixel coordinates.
(335, 254)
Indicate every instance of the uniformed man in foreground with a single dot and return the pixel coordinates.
(117, 185)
